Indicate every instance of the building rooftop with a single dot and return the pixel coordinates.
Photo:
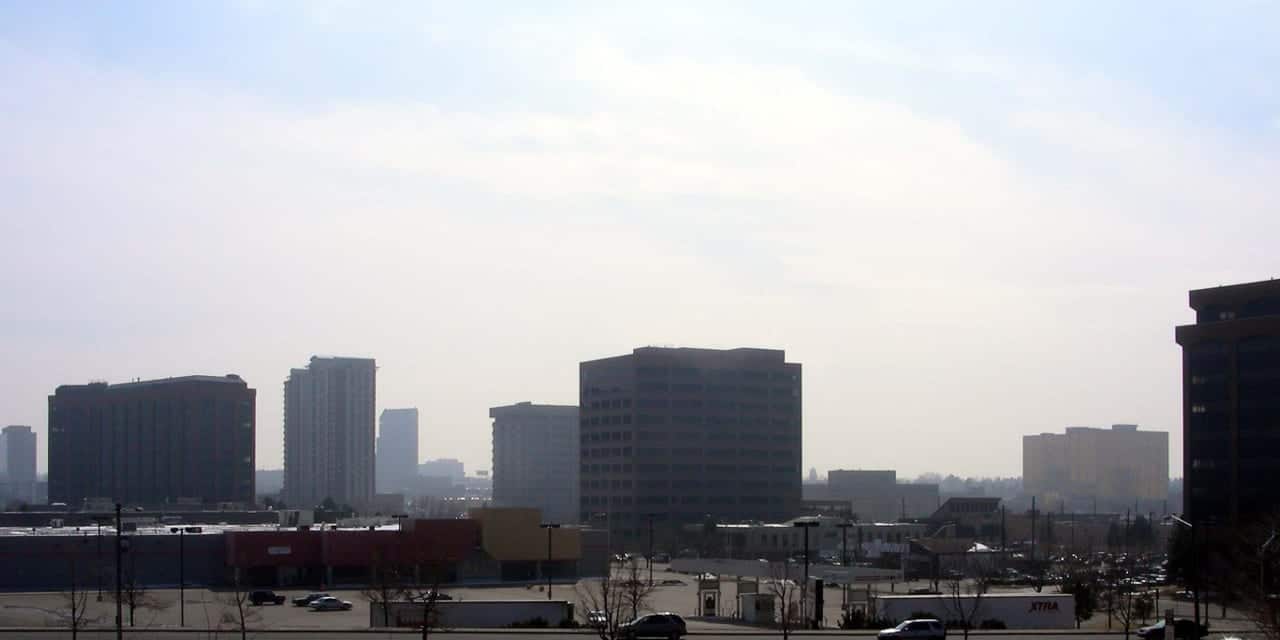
(230, 378)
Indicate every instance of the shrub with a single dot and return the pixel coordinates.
(992, 623)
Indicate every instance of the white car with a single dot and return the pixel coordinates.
(329, 603)
(923, 629)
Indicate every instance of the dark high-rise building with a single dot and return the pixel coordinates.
(681, 435)
(18, 444)
(153, 442)
(1231, 403)
(535, 458)
(397, 450)
(329, 432)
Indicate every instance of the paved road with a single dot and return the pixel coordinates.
(745, 634)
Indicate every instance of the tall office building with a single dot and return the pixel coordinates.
(153, 442)
(397, 450)
(329, 432)
(18, 444)
(682, 435)
(1108, 469)
(1231, 403)
(535, 458)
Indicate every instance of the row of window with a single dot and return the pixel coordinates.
(715, 374)
(684, 483)
(592, 501)
(689, 468)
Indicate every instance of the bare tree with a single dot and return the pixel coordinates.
(786, 592)
(1121, 602)
(963, 598)
(636, 590)
(76, 601)
(237, 610)
(135, 595)
(386, 585)
(428, 597)
(604, 602)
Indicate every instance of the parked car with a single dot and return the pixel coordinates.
(430, 595)
(597, 619)
(662, 557)
(923, 628)
(302, 601)
(265, 597)
(1183, 629)
(329, 603)
(654, 625)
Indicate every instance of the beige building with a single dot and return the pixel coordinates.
(1097, 469)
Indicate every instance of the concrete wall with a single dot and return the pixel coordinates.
(1018, 611)
(468, 614)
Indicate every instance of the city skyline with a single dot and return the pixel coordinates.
(961, 219)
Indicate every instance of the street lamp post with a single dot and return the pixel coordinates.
(1262, 566)
(650, 555)
(1195, 552)
(547, 569)
(182, 578)
(119, 551)
(804, 592)
(844, 561)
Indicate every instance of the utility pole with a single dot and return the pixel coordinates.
(547, 569)
(804, 593)
(119, 557)
(1033, 529)
(844, 560)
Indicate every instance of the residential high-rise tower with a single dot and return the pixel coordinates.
(329, 432)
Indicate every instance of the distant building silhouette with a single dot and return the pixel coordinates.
(875, 495)
(686, 435)
(1231, 403)
(154, 442)
(1115, 469)
(397, 450)
(329, 432)
(535, 459)
(18, 444)
(450, 468)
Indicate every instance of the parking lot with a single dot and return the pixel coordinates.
(213, 609)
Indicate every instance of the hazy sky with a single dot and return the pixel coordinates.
(969, 221)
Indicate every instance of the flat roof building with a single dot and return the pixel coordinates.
(1231, 403)
(1110, 468)
(535, 458)
(154, 442)
(685, 435)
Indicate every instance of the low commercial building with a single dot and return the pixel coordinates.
(866, 541)
(491, 545)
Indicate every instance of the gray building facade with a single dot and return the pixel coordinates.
(397, 450)
(682, 435)
(329, 432)
(18, 446)
(535, 459)
(153, 442)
